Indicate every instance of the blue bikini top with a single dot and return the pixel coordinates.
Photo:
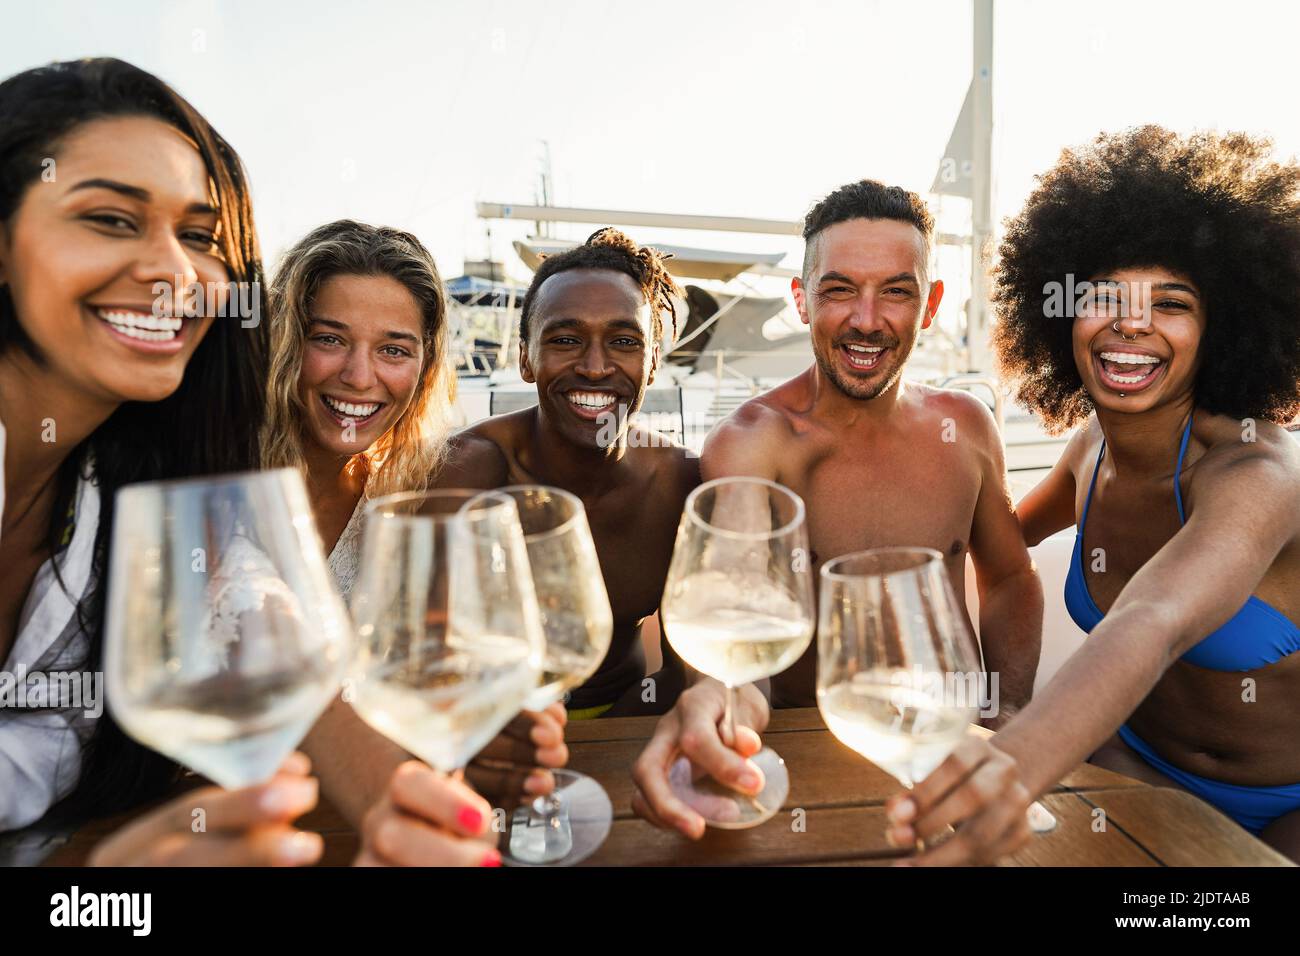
(1254, 637)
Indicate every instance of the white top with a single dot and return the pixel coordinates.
(40, 751)
(345, 559)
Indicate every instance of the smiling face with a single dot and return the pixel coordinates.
(866, 298)
(1137, 338)
(361, 362)
(589, 351)
(130, 206)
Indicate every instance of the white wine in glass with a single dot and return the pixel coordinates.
(738, 626)
(898, 675)
(738, 607)
(576, 617)
(450, 643)
(224, 636)
(570, 823)
(900, 727)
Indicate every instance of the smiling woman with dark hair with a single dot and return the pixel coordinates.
(1185, 489)
(110, 186)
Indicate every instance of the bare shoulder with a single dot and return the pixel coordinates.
(477, 456)
(1083, 446)
(676, 469)
(1259, 452)
(749, 440)
(959, 405)
(770, 415)
(957, 416)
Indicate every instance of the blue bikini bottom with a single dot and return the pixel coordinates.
(1252, 807)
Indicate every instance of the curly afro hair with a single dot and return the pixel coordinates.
(1213, 207)
(608, 248)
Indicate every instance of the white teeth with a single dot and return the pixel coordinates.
(1130, 358)
(863, 355)
(143, 335)
(592, 399)
(348, 408)
(124, 320)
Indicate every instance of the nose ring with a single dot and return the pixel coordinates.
(1129, 338)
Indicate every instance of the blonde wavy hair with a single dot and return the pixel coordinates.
(411, 452)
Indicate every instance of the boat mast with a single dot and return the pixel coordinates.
(981, 140)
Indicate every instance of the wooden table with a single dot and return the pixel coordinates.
(842, 796)
(843, 823)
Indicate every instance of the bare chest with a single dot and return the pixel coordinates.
(1125, 528)
(332, 517)
(917, 496)
(635, 546)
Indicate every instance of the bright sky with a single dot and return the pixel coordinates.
(405, 113)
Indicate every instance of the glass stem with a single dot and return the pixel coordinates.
(729, 716)
(920, 844)
(549, 806)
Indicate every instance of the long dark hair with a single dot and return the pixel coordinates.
(210, 424)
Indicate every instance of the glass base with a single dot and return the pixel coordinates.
(727, 809)
(1041, 819)
(539, 836)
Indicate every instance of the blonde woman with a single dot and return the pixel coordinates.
(360, 388)
(359, 398)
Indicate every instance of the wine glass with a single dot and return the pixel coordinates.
(449, 638)
(572, 822)
(224, 636)
(738, 606)
(898, 676)
(894, 652)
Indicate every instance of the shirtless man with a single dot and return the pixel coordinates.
(877, 462)
(590, 332)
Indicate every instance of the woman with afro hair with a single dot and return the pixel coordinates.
(1149, 295)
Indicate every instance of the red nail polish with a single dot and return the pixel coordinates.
(469, 819)
(491, 858)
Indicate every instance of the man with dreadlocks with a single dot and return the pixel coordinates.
(878, 462)
(590, 336)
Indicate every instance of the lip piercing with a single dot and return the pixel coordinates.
(1127, 338)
